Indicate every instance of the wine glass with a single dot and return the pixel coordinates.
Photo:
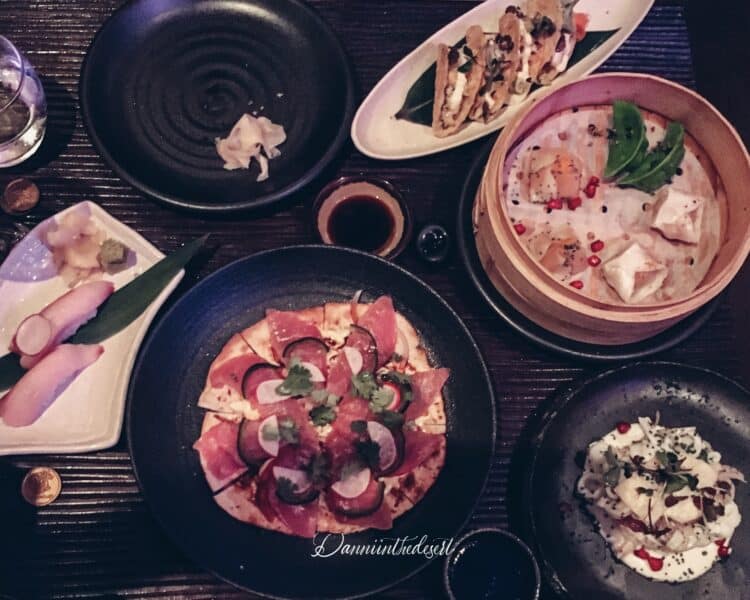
(23, 108)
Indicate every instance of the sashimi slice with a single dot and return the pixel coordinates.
(217, 448)
(425, 385)
(380, 320)
(38, 388)
(65, 315)
(287, 327)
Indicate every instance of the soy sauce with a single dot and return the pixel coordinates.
(362, 222)
(488, 568)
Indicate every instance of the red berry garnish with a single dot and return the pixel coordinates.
(623, 427)
(554, 204)
(642, 553)
(595, 261)
(594, 180)
(724, 551)
(577, 284)
(590, 191)
(520, 228)
(574, 203)
(655, 564)
(597, 246)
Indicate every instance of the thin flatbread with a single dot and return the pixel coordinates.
(222, 397)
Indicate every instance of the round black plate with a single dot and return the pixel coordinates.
(164, 421)
(580, 350)
(574, 559)
(162, 80)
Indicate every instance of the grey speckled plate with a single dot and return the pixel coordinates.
(575, 561)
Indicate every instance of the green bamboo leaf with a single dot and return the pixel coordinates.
(627, 143)
(417, 107)
(10, 371)
(659, 165)
(121, 309)
(127, 303)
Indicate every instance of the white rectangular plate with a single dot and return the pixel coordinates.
(88, 414)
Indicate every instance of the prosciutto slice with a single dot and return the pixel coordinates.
(66, 315)
(287, 327)
(217, 449)
(425, 385)
(293, 409)
(339, 376)
(380, 320)
(418, 447)
(39, 388)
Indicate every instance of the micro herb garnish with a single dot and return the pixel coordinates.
(325, 398)
(322, 415)
(381, 399)
(269, 433)
(297, 382)
(319, 470)
(364, 384)
(288, 430)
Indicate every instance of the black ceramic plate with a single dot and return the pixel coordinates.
(164, 421)
(574, 559)
(580, 350)
(162, 80)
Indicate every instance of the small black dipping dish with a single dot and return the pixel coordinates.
(491, 564)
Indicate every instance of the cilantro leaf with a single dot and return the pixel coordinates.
(364, 384)
(319, 470)
(325, 398)
(288, 430)
(380, 399)
(322, 415)
(297, 382)
(269, 433)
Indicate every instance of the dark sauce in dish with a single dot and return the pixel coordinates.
(489, 566)
(362, 222)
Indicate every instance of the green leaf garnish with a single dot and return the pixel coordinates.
(288, 430)
(364, 384)
(120, 310)
(660, 165)
(381, 399)
(297, 382)
(612, 477)
(417, 107)
(128, 303)
(322, 415)
(325, 398)
(269, 433)
(628, 139)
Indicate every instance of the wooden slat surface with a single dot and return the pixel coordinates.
(98, 539)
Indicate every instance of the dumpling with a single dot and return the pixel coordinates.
(634, 273)
(553, 173)
(678, 215)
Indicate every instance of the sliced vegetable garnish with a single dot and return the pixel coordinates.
(354, 359)
(628, 138)
(354, 481)
(254, 376)
(269, 436)
(287, 490)
(364, 384)
(309, 350)
(288, 430)
(250, 446)
(316, 375)
(267, 392)
(365, 504)
(361, 339)
(388, 453)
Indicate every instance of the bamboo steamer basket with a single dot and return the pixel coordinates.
(531, 290)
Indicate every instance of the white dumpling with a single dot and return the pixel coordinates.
(678, 215)
(634, 273)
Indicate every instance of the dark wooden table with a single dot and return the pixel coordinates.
(98, 539)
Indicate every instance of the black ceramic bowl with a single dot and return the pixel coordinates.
(162, 80)
(491, 564)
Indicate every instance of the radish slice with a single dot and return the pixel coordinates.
(299, 478)
(33, 335)
(354, 358)
(269, 424)
(316, 375)
(267, 394)
(383, 437)
(402, 346)
(354, 485)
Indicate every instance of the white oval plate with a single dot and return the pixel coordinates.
(378, 134)
(88, 414)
